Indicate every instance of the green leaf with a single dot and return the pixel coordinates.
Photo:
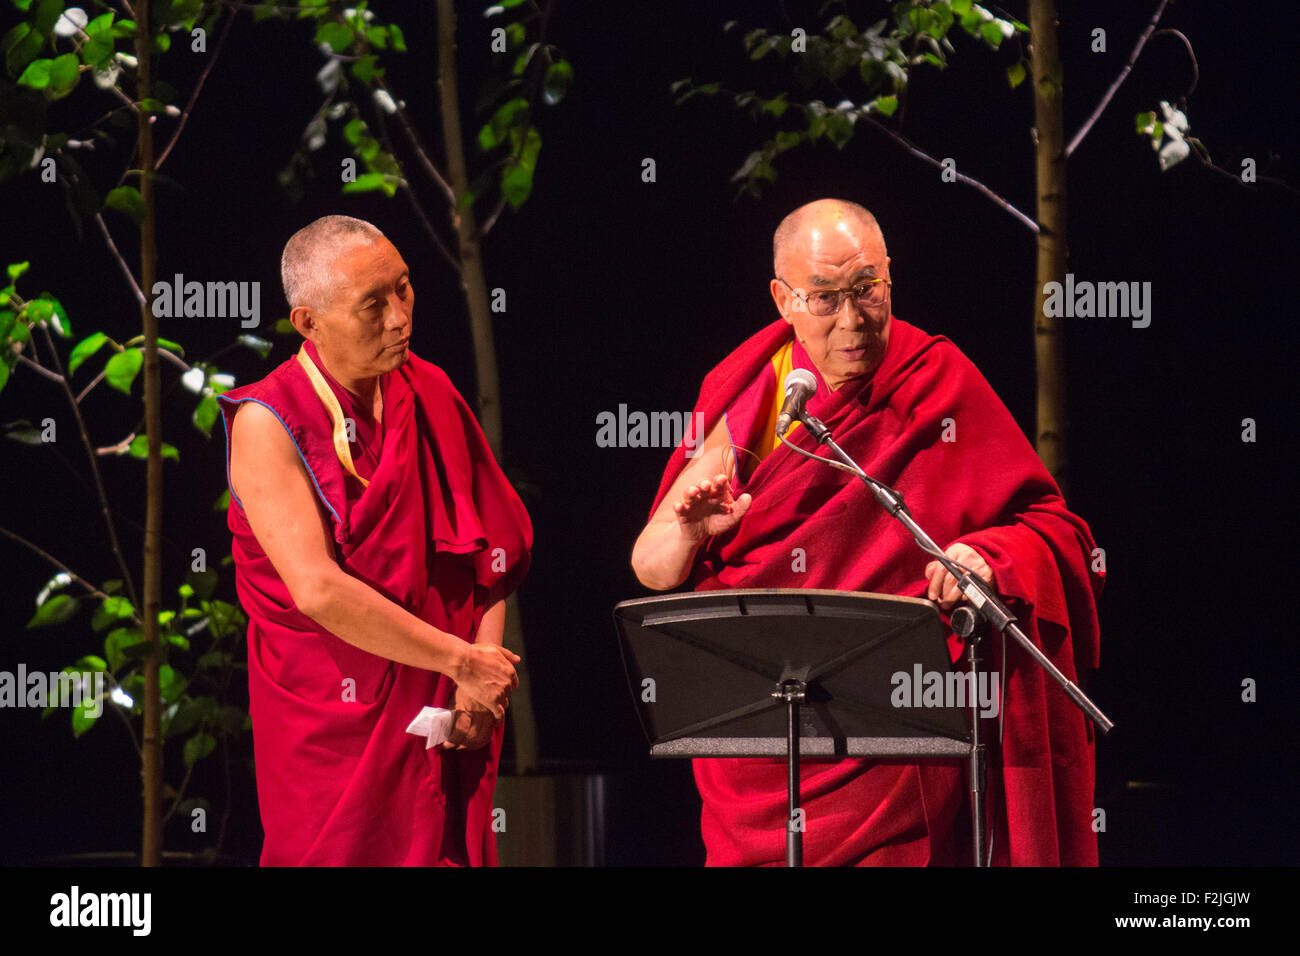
(64, 72)
(122, 369)
(1016, 74)
(47, 14)
(517, 179)
(396, 38)
(839, 129)
(84, 717)
(886, 105)
(126, 199)
(223, 501)
(960, 7)
(367, 69)
(515, 35)
(992, 33)
(98, 50)
(37, 74)
(336, 35)
(111, 610)
(4, 374)
(117, 642)
(206, 414)
(559, 76)
(55, 610)
(507, 116)
(101, 22)
(38, 310)
(16, 270)
(198, 747)
(90, 663)
(367, 182)
(21, 45)
(84, 350)
(140, 449)
(170, 684)
(284, 327)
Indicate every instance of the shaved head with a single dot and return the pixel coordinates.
(306, 266)
(819, 212)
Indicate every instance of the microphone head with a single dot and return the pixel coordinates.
(801, 378)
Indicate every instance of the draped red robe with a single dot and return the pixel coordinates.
(440, 531)
(985, 487)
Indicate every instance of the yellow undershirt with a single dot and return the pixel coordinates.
(783, 365)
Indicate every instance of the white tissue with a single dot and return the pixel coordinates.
(433, 723)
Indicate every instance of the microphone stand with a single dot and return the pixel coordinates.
(983, 599)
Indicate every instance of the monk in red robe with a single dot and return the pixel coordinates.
(375, 542)
(744, 511)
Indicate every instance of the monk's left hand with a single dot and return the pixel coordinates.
(472, 724)
(942, 586)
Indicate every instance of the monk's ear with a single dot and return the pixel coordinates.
(781, 296)
(302, 319)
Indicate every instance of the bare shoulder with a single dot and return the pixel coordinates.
(258, 442)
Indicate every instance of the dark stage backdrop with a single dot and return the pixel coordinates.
(626, 292)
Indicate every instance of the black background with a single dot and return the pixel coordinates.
(621, 291)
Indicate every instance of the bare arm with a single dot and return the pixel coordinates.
(271, 482)
(698, 505)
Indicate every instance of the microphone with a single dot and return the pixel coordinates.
(800, 385)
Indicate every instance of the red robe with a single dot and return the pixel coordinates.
(985, 487)
(439, 531)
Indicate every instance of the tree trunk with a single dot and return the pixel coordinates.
(151, 763)
(1049, 346)
(485, 360)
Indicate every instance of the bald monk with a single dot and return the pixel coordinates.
(740, 513)
(375, 541)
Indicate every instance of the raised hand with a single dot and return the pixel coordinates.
(707, 508)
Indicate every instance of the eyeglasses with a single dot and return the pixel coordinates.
(867, 294)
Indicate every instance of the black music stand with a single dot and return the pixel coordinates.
(733, 673)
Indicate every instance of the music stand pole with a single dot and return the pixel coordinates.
(792, 692)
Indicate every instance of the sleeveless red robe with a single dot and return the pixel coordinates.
(440, 531)
(987, 488)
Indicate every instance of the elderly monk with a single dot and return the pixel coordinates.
(375, 540)
(916, 414)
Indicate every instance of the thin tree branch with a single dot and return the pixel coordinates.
(492, 217)
(1123, 75)
(189, 106)
(93, 382)
(425, 162)
(922, 155)
(127, 580)
(409, 193)
(1191, 54)
(39, 368)
(126, 269)
(90, 588)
